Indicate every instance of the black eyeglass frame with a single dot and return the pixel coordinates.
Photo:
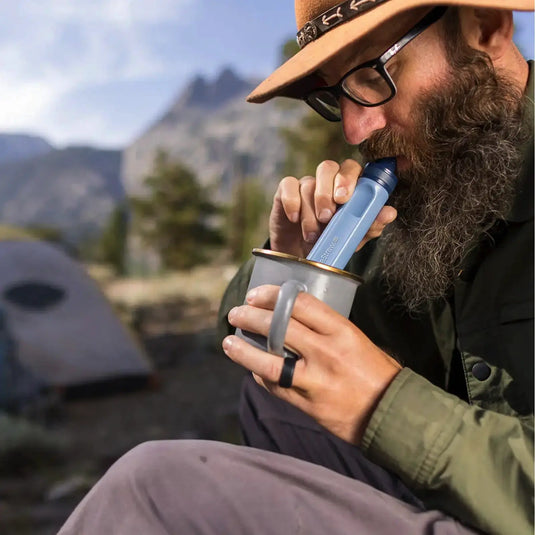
(379, 65)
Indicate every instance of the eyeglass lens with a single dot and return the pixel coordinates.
(326, 104)
(367, 86)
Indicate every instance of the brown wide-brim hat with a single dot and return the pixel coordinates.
(327, 27)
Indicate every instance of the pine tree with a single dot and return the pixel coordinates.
(176, 218)
(247, 218)
(111, 247)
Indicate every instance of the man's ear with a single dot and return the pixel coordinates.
(488, 30)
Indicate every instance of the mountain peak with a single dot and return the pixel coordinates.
(205, 94)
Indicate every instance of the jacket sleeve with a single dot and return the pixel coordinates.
(474, 464)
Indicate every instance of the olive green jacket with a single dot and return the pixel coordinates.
(471, 458)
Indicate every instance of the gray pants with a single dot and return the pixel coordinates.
(201, 487)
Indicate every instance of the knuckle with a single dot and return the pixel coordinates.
(287, 180)
(322, 198)
(307, 181)
(350, 163)
(374, 232)
(328, 166)
(310, 224)
(349, 172)
(288, 199)
(307, 187)
(288, 183)
(304, 301)
(317, 345)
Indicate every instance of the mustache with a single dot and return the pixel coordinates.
(385, 143)
(391, 143)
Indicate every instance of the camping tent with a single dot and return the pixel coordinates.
(64, 330)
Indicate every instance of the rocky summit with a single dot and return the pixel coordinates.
(213, 130)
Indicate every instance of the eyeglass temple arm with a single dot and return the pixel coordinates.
(429, 19)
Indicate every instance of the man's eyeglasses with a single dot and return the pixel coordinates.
(368, 84)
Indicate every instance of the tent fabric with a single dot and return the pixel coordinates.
(18, 387)
(77, 337)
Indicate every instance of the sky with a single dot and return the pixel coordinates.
(99, 72)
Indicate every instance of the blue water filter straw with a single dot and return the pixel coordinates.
(353, 219)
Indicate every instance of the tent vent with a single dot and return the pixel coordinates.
(35, 296)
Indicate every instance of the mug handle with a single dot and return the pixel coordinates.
(281, 315)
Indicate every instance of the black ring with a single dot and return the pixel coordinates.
(287, 372)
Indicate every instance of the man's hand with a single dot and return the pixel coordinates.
(302, 208)
(341, 375)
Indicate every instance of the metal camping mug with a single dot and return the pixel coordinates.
(333, 286)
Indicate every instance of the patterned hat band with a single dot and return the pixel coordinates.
(332, 18)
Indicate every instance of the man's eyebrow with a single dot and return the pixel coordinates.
(352, 51)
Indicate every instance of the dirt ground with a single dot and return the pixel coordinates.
(194, 394)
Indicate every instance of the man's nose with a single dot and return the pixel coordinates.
(360, 122)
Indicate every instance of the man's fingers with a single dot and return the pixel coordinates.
(289, 197)
(385, 217)
(266, 366)
(310, 226)
(258, 319)
(308, 311)
(313, 200)
(324, 205)
(345, 180)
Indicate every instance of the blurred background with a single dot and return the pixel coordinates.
(134, 180)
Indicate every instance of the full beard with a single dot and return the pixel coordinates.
(465, 159)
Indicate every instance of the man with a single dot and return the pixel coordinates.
(420, 405)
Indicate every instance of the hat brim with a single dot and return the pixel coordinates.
(295, 77)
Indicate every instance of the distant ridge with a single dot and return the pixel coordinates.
(73, 189)
(17, 147)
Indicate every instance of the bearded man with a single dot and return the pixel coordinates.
(415, 415)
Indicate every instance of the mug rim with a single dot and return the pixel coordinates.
(257, 251)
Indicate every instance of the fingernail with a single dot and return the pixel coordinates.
(251, 294)
(311, 237)
(294, 218)
(232, 314)
(227, 344)
(325, 215)
(340, 193)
